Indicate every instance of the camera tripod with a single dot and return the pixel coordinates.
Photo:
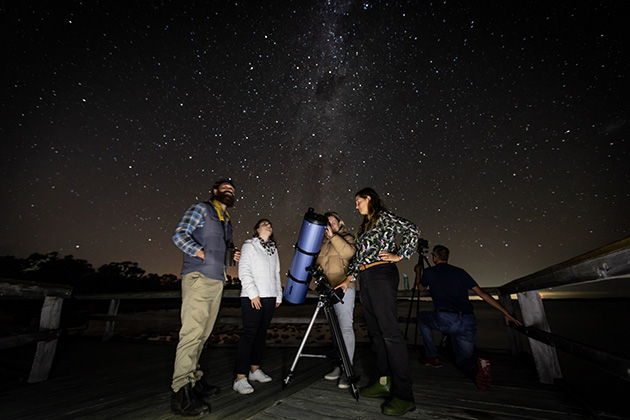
(326, 296)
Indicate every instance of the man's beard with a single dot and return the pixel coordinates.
(224, 198)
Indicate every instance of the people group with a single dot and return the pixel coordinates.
(204, 235)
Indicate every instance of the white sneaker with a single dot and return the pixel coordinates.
(343, 383)
(259, 376)
(334, 375)
(242, 387)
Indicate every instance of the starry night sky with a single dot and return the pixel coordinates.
(500, 128)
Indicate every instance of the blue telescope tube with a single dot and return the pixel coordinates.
(306, 251)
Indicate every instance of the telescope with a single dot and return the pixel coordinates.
(323, 287)
(306, 251)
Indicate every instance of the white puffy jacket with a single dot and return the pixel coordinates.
(259, 272)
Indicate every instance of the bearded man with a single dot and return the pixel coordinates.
(204, 235)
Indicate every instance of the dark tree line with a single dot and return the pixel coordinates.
(123, 276)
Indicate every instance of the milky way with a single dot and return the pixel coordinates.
(501, 131)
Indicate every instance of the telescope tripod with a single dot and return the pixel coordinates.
(423, 262)
(338, 341)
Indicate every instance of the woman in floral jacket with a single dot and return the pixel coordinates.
(374, 266)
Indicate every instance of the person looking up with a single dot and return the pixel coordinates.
(204, 235)
(261, 294)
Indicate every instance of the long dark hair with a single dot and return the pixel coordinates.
(258, 223)
(375, 205)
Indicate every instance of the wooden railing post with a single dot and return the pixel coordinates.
(545, 356)
(111, 315)
(50, 319)
(514, 337)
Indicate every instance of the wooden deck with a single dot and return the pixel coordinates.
(131, 380)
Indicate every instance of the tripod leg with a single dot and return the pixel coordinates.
(340, 344)
(417, 298)
(413, 294)
(299, 353)
(425, 264)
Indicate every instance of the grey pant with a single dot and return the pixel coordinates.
(345, 315)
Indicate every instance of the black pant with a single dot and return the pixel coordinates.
(379, 291)
(251, 345)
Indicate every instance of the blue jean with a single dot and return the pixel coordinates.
(462, 329)
(379, 292)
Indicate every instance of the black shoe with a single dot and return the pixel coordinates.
(185, 403)
(203, 390)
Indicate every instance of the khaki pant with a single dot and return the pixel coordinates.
(201, 300)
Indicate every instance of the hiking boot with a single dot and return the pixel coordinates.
(380, 388)
(431, 361)
(333, 375)
(242, 387)
(398, 407)
(483, 378)
(259, 375)
(185, 403)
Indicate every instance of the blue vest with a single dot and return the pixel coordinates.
(212, 236)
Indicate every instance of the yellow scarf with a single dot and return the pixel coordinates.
(217, 207)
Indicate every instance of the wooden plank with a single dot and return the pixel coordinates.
(111, 323)
(131, 380)
(49, 320)
(28, 338)
(513, 337)
(545, 356)
(613, 364)
(32, 290)
(439, 393)
(610, 261)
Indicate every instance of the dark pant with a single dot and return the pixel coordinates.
(379, 291)
(251, 345)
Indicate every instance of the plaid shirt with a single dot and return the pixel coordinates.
(193, 218)
(382, 237)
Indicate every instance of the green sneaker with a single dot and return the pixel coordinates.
(379, 388)
(398, 407)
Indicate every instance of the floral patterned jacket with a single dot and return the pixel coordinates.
(382, 237)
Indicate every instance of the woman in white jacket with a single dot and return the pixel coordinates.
(261, 293)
